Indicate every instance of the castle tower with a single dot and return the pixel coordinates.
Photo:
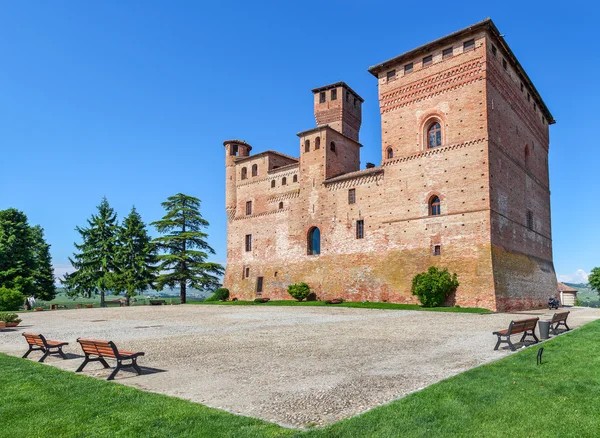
(233, 149)
(340, 107)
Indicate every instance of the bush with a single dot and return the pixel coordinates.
(9, 317)
(10, 299)
(261, 300)
(299, 291)
(335, 301)
(221, 294)
(434, 286)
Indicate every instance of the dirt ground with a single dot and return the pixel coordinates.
(296, 366)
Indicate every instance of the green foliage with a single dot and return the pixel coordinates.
(434, 286)
(10, 299)
(594, 280)
(184, 249)
(94, 261)
(261, 300)
(135, 260)
(299, 291)
(335, 301)
(25, 262)
(221, 294)
(9, 317)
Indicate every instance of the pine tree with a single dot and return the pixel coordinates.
(185, 250)
(136, 257)
(43, 275)
(94, 262)
(17, 262)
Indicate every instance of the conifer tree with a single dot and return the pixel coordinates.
(94, 262)
(16, 254)
(43, 275)
(185, 250)
(136, 257)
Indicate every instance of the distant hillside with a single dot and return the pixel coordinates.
(586, 296)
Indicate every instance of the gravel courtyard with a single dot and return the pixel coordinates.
(295, 366)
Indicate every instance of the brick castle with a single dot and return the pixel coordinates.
(463, 184)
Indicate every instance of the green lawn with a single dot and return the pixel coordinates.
(358, 305)
(64, 301)
(510, 397)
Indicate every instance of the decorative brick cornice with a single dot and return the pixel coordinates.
(283, 196)
(436, 84)
(434, 151)
(263, 214)
(356, 181)
(230, 214)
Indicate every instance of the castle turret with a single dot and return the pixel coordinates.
(233, 150)
(340, 107)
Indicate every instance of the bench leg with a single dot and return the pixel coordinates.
(103, 362)
(566, 326)
(136, 367)
(28, 352)
(510, 344)
(116, 370)
(44, 356)
(498, 343)
(82, 366)
(61, 353)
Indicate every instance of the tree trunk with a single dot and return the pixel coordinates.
(128, 300)
(102, 303)
(182, 292)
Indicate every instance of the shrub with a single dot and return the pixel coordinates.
(221, 294)
(299, 291)
(9, 317)
(335, 301)
(434, 286)
(10, 299)
(261, 300)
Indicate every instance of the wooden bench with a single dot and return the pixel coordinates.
(525, 326)
(99, 350)
(559, 319)
(40, 343)
(157, 302)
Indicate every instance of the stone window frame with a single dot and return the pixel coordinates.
(248, 208)
(427, 60)
(426, 121)
(248, 242)
(322, 97)
(408, 68)
(469, 45)
(295, 178)
(389, 153)
(352, 196)
(447, 53)
(317, 143)
(284, 181)
(310, 250)
(332, 147)
(273, 183)
(255, 170)
(360, 228)
(333, 94)
(260, 284)
(434, 205)
(244, 174)
(306, 145)
(390, 75)
(437, 250)
(281, 205)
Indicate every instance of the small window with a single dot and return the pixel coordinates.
(244, 173)
(351, 196)
(389, 153)
(248, 242)
(447, 53)
(322, 97)
(437, 250)
(334, 94)
(314, 241)
(428, 60)
(355, 102)
(528, 97)
(307, 146)
(535, 107)
(391, 75)
(284, 181)
(543, 120)
(408, 68)
(522, 87)
(504, 64)
(248, 208)
(332, 146)
(273, 184)
(234, 150)
(259, 285)
(494, 50)
(246, 272)
(281, 205)
(295, 178)
(360, 229)
(434, 206)
(468, 45)
(254, 170)
(347, 96)
(434, 135)
(317, 143)
(530, 219)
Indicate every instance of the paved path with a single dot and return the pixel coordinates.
(291, 365)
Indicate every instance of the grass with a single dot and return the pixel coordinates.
(510, 397)
(353, 304)
(64, 301)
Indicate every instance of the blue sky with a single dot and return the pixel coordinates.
(133, 99)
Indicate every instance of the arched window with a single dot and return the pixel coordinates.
(273, 184)
(389, 153)
(317, 143)
(281, 205)
(255, 170)
(434, 206)
(244, 173)
(332, 146)
(307, 146)
(314, 241)
(295, 179)
(434, 135)
(283, 181)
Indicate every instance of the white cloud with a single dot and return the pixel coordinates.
(580, 276)
(60, 270)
